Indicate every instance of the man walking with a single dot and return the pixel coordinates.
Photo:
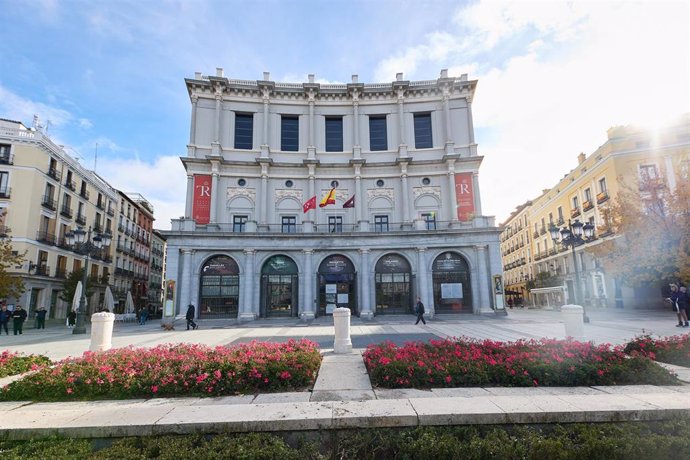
(419, 309)
(18, 317)
(190, 317)
(41, 318)
(5, 316)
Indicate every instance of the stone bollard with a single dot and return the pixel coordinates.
(101, 331)
(341, 321)
(574, 323)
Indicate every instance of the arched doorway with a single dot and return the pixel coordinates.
(393, 285)
(451, 279)
(337, 285)
(220, 288)
(279, 287)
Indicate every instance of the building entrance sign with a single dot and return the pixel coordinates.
(393, 286)
(279, 287)
(220, 288)
(337, 285)
(451, 280)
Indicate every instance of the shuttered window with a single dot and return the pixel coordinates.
(244, 131)
(422, 131)
(289, 133)
(378, 134)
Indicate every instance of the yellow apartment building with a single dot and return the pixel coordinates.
(516, 252)
(45, 193)
(631, 155)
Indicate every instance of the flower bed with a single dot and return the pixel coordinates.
(173, 370)
(672, 350)
(12, 363)
(467, 362)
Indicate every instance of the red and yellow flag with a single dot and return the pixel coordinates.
(328, 199)
(310, 204)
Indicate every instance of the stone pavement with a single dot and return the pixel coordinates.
(342, 396)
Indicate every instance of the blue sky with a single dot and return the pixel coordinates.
(553, 76)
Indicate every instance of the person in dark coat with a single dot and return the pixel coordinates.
(419, 309)
(683, 302)
(5, 316)
(675, 299)
(41, 318)
(71, 319)
(18, 318)
(190, 317)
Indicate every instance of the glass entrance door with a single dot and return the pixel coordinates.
(280, 295)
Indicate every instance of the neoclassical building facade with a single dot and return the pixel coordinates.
(304, 197)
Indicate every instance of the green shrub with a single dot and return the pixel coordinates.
(672, 350)
(12, 363)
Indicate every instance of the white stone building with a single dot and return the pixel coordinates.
(260, 150)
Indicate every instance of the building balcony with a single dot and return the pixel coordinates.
(587, 205)
(6, 159)
(70, 184)
(542, 231)
(43, 270)
(61, 273)
(602, 197)
(48, 202)
(4, 231)
(45, 237)
(110, 212)
(98, 228)
(81, 219)
(55, 174)
(84, 194)
(5, 192)
(100, 205)
(574, 212)
(66, 211)
(536, 234)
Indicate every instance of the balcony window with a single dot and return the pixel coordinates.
(289, 133)
(378, 134)
(239, 223)
(335, 224)
(5, 156)
(380, 224)
(429, 220)
(244, 131)
(288, 224)
(334, 134)
(4, 180)
(422, 131)
(602, 185)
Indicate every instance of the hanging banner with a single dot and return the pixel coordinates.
(201, 206)
(464, 194)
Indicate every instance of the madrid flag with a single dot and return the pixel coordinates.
(310, 204)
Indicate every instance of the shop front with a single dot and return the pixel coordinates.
(279, 288)
(337, 285)
(451, 280)
(219, 288)
(393, 285)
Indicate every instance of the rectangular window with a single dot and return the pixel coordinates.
(575, 202)
(335, 224)
(560, 215)
(334, 134)
(602, 185)
(380, 224)
(5, 153)
(378, 134)
(648, 172)
(288, 224)
(422, 131)
(429, 220)
(289, 133)
(244, 131)
(588, 195)
(4, 180)
(550, 218)
(239, 223)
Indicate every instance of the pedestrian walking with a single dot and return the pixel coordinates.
(143, 316)
(674, 298)
(41, 318)
(5, 316)
(71, 319)
(419, 310)
(684, 302)
(18, 318)
(190, 317)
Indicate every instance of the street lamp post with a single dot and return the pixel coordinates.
(82, 243)
(572, 236)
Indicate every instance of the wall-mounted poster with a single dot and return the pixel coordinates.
(464, 194)
(330, 308)
(342, 298)
(201, 205)
(331, 288)
(451, 290)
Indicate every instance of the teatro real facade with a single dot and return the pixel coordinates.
(260, 150)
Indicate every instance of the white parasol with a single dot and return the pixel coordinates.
(109, 300)
(77, 296)
(129, 303)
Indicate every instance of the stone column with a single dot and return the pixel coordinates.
(247, 312)
(405, 194)
(309, 218)
(264, 127)
(446, 115)
(423, 282)
(186, 281)
(311, 148)
(308, 312)
(365, 310)
(190, 196)
(359, 198)
(356, 148)
(470, 124)
(477, 196)
(485, 301)
(214, 197)
(452, 199)
(191, 148)
(215, 145)
(402, 147)
(670, 173)
(264, 195)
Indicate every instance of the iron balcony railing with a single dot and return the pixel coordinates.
(5, 192)
(7, 159)
(55, 174)
(70, 184)
(81, 219)
(49, 202)
(46, 237)
(66, 211)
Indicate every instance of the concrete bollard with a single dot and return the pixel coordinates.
(341, 321)
(101, 331)
(574, 322)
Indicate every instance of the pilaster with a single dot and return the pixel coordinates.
(365, 310)
(248, 311)
(307, 312)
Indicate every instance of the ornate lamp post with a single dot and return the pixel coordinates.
(572, 236)
(82, 243)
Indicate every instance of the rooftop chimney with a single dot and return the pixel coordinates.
(399, 76)
(311, 78)
(267, 76)
(581, 158)
(463, 77)
(444, 73)
(219, 71)
(197, 75)
(355, 78)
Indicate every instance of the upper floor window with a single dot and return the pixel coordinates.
(378, 134)
(4, 180)
(422, 131)
(602, 185)
(288, 224)
(560, 214)
(244, 131)
(335, 224)
(334, 134)
(429, 220)
(380, 223)
(239, 223)
(648, 172)
(588, 194)
(289, 133)
(575, 203)
(5, 153)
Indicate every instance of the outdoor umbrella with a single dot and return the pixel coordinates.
(77, 297)
(129, 303)
(109, 300)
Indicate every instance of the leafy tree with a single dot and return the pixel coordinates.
(69, 286)
(652, 228)
(11, 285)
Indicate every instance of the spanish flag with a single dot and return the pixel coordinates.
(328, 199)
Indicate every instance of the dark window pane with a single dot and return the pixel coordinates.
(378, 137)
(334, 134)
(380, 223)
(244, 130)
(422, 131)
(289, 134)
(289, 224)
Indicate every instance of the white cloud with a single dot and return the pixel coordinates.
(85, 123)
(21, 109)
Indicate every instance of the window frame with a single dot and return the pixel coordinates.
(244, 141)
(333, 134)
(429, 220)
(378, 133)
(335, 224)
(239, 223)
(420, 126)
(288, 223)
(286, 142)
(381, 223)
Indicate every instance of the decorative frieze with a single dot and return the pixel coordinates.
(288, 193)
(381, 192)
(426, 190)
(234, 192)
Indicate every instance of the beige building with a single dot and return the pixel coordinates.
(45, 193)
(630, 157)
(156, 273)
